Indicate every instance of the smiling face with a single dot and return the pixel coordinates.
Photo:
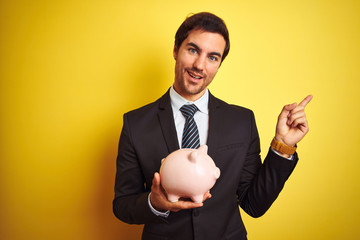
(197, 62)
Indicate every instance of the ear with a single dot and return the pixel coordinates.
(193, 156)
(204, 149)
(175, 52)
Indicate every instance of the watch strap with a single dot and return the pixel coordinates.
(282, 148)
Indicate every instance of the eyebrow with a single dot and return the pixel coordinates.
(197, 48)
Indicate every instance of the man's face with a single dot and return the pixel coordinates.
(197, 62)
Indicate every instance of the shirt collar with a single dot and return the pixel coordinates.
(178, 101)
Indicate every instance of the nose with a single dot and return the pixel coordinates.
(199, 63)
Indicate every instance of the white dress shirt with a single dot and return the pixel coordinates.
(201, 117)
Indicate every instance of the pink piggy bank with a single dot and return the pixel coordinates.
(188, 173)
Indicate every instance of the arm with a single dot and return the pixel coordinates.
(261, 183)
(130, 202)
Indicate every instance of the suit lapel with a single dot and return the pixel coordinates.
(166, 119)
(214, 120)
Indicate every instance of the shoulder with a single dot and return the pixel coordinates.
(149, 110)
(142, 114)
(229, 108)
(144, 109)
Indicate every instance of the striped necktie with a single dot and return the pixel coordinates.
(190, 137)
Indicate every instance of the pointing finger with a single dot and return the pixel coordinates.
(306, 101)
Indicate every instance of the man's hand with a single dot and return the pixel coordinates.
(161, 203)
(292, 125)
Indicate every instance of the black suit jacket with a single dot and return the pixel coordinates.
(149, 135)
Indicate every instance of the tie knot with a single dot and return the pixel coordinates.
(189, 110)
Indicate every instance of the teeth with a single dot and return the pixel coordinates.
(196, 77)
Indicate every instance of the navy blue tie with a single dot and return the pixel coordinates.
(190, 137)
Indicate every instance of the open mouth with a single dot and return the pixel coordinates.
(194, 75)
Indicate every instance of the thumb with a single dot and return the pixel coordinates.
(156, 180)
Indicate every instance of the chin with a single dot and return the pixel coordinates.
(194, 91)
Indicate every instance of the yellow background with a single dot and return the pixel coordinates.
(70, 69)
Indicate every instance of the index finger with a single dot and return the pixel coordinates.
(306, 101)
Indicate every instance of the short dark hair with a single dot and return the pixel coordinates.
(205, 21)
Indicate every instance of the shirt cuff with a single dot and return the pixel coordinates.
(289, 158)
(156, 212)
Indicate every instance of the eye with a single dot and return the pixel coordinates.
(213, 58)
(193, 50)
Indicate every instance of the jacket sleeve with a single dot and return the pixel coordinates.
(130, 203)
(261, 183)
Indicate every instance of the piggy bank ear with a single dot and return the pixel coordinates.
(162, 160)
(193, 156)
(204, 149)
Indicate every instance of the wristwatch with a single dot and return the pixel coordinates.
(282, 148)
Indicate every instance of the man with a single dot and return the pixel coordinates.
(152, 132)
